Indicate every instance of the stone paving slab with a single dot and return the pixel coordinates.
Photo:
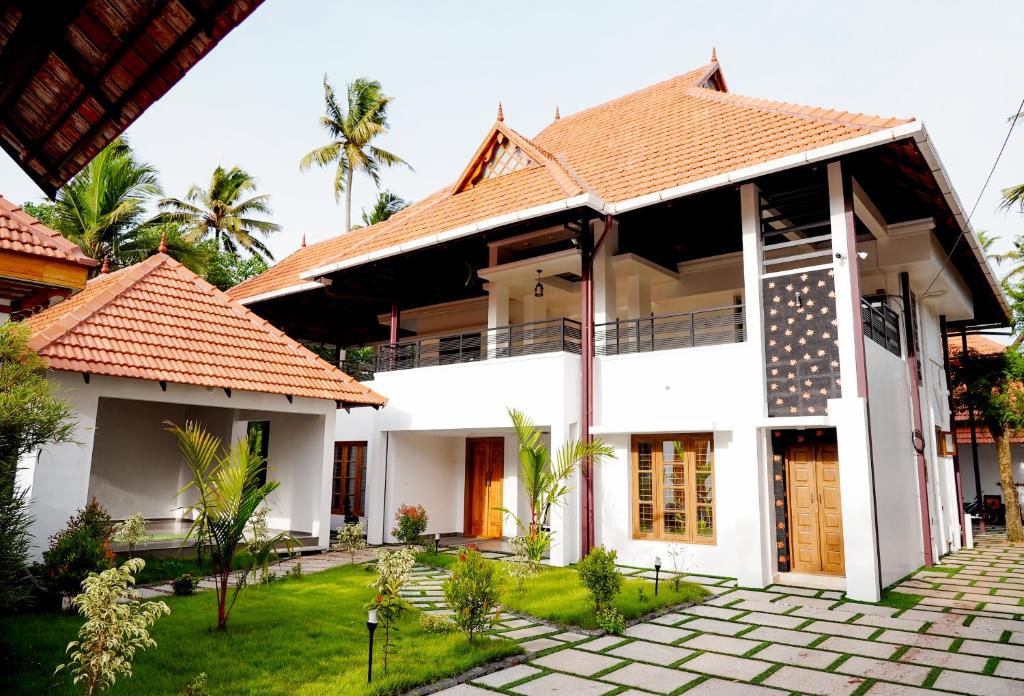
(885, 670)
(656, 653)
(774, 620)
(718, 687)
(728, 666)
(799, 657)
(781, 635)
(599, 644)
(811, 681)
(539, 644)
(507, 676)
(657, 633)
(721, 644)
(728, 628)
(965, 683)
(577, 662)
(562, 684)
(650, 677)
(857, 647)
(941, 658)
(887, 689)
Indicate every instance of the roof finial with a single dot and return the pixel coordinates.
(303, 239)
(106, 264)
(163, 243)
(501, 114)
(714, 55)
(558, 114)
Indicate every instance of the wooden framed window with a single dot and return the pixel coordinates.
(348, 485)
(944, 442)
(674, 488)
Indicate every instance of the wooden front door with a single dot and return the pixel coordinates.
(485, 471)
(815, 509)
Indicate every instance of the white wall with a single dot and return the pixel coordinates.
(427, 470)
(897, 494)
(988, 465)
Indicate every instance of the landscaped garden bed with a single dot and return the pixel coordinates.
(557, 595)
(301, 636)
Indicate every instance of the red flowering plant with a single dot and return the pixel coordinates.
(412, 523)
(472, 592)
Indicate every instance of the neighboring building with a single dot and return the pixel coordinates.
(676, 271)
(153, 343)
(982, 468)
(37, 265)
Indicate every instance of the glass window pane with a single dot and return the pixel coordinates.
(645, 487)
(704, 487)
(674, 487)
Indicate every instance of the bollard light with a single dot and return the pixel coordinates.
(437, 541)
(657, 571)
(371, 626)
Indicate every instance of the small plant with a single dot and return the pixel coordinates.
(642, 596)
(472, 592)
(679, 555)
(520, 567)
(393, 568)
(196, 686)
(295, 572)
(433, 623)
(412, 522)
(184, 585)
(351, 538)
(81, 548)
(610, 620)
(600, 576)
(132, 532)
(116, 626)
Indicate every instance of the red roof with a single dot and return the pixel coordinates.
(22, 233)
(159, 321)
(676, 132)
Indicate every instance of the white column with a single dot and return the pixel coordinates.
(638, 297)
(510, 486)
(749, 454)
(565, 520)
(377, 464)
(320, 498)
(61, 482)
(849, 412)
(604, 274)
(497, 316)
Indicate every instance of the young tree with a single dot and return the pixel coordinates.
(352, 129)
(351, 538)
(546, 482)
(228, 493)
(993, 385)
(31, 416)
(116, 626)
(132, 532)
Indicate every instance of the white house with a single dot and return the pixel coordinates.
(745, 298)
(153, 343)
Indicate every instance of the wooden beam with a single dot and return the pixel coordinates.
(866, 211)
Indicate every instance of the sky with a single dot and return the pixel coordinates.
(255, 100)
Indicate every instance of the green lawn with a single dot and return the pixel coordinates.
(300, 637)
(556, 594)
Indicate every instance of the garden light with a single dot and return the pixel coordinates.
(371, 626)
(437, 540)
(657, 571)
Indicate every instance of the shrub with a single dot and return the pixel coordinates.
(116, 626)
(520, 566)
(611, 620)
(184, 585)
(393, 568)
(196, 686)
(351, 538)
(598, 574)
(433, 623)
(131, 532)
(81, 548)
(472, 592)
(412, 522)
(295, 572)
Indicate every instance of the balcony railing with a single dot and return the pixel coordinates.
(532, 338)
(707, 327)
(881, 325)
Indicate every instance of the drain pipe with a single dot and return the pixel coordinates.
(915, 405)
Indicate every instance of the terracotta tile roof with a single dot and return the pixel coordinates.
(976, 343)
(22, 233)
(157, 320)
(666, 135)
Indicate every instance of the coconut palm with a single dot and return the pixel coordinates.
(387, 204)
(103, 205)
(352, 129)
(222, 211)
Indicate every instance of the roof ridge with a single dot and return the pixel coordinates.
(257, 321)
(810, 113)
(114, 285)
(561, 174)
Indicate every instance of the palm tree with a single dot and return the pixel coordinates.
(103, 205)
(387, 204)
(222, 212)
(352, 130)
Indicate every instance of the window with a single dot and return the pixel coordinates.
(673, 488)
(348, 487)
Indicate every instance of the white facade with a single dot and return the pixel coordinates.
(123, 456)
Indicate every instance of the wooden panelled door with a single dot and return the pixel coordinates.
(815, 509)
(485, 471)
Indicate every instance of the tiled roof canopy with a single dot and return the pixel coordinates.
(159, 321)
(673, 133)
(22, 233)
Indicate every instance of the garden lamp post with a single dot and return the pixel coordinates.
(371, 626)
(657, 571)
(437, 540)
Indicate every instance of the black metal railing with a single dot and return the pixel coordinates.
(706, 327)
(881, 325)
(532, 338)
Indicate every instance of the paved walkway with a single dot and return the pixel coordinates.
(965, 636)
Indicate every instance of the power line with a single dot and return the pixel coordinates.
(967, 222)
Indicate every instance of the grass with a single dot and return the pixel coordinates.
(899, 600)
(300, 637)
(164, 568)
(556, 594)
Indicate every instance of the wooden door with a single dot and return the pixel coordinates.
(815, 509)
(485, 473)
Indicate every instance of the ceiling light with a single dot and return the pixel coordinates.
(538, 289)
